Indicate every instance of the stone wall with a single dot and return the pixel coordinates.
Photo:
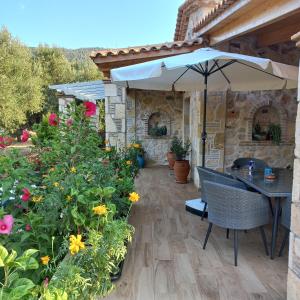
(241, 108)
(293, 290)
(115, 115)
(140, 106)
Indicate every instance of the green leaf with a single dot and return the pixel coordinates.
(3, 255)
(27, 263)
(11, 257)
(108, 191)
(81, 199)
(29, 252)
(21, 288)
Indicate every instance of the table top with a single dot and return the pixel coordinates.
(280, 187)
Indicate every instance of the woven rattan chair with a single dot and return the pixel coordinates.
(215, 176)
(244, 161)
(236, 209)
(285, 221)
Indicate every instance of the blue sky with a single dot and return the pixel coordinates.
(90, 23)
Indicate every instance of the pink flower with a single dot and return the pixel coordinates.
(46, 282)
(27, 227)
(90, 108)
(6, 224)
(25, 136)
(69, 122)
(26, 195)
(2, 142)
(53, 119)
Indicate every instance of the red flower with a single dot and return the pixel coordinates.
(69, 122)
(5, 141)
(27, 227)
(6, 224)
(2, 142)
(25, 136)
(53, 119)
(90, 108)
(26, 195)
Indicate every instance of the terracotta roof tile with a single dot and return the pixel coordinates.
(214, 13)
(190, 6)
(146, 48)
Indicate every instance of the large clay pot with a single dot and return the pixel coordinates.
(171, 160)
(181, 170)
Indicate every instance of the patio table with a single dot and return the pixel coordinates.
(278, 189)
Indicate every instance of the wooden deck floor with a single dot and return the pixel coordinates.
(166, 260)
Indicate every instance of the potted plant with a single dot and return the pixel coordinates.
(181, 166)
(275, 133)
(171, 157)
(140, 154)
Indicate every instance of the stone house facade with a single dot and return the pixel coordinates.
(230, 115)
(255, 28)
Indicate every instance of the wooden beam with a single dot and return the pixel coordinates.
(250, 17)
(279, 32)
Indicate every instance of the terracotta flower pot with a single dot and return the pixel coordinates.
(171, 160)
(181, 170)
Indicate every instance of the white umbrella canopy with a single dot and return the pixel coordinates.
(206, 70)
(225, 71)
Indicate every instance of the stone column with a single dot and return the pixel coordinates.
(293, 286)
(63, 102)
(131, 134)
(115, 115)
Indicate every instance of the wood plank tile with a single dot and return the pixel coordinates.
(166, 260)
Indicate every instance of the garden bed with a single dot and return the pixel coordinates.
(69, 200)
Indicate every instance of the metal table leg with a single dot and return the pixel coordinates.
(275, 226)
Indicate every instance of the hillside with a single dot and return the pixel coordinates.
(79, 54)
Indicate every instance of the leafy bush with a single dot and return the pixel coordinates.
(69, 199)
(180, 148)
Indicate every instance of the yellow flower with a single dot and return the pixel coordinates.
(134, 197)
(51, 169)
(37, 199)
(106, 142)
(76, 244)
(100, 210)
(45, 259)
(136, 146)
(62, 188)
(69, 198)
(107, 149)
(44, 175)
(73, 170)
(56, 184)
(129, 162)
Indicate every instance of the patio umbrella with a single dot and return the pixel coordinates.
(207, 70)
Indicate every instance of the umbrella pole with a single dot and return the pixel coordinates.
(204, 134)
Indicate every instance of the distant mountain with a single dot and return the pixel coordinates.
(80, 54)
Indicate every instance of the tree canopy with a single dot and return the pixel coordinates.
(20, 83)
(25, 75)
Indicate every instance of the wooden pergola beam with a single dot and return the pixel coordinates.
(246, 16)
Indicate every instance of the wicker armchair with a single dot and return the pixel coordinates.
(243, 161)
(285, 221)
(237, 209)
(215, 176)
